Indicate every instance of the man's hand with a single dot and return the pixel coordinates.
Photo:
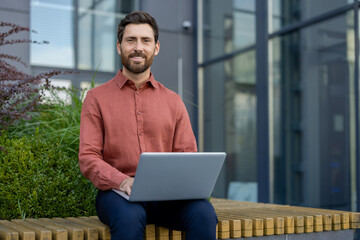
(126, 185)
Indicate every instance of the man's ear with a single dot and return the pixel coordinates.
(118, 47)
(157, 48)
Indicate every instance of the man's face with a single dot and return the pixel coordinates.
(138, 48)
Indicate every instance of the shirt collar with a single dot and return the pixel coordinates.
(121, 80)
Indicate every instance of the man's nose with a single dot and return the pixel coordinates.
(138, 46)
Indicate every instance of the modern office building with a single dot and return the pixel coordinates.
(274, 83)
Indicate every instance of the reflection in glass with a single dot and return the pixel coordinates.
(229, 25)
(97, 25)
(287, 12)
(240, 126)
(52, 20)
(312, 79)
(244, 67)
(230, 124)
(94, 41)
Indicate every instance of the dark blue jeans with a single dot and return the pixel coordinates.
(127, 220)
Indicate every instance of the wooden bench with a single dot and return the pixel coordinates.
(236, 220)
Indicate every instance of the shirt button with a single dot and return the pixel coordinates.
(138, 113)
(139, 133)
(137, 93)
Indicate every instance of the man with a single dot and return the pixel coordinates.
(130, 114)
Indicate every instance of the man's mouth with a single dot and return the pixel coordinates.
(137, 58)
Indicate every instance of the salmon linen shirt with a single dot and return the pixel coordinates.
(119, 122)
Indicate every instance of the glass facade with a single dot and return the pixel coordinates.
(312, 75)
(312, 99)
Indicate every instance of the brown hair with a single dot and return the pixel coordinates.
(138, 18)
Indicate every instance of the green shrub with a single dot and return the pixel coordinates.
(56, 120)
(39, 179)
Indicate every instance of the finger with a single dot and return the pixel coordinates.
(128, 190)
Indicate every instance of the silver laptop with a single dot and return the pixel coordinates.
(175, 176)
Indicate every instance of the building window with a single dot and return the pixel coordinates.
(53, 23)
(80, 34)
(313, 75)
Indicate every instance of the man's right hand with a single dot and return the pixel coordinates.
(126, 185)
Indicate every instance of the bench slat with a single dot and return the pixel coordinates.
(58, 233)
(90, 233)
(74, 233)
(24, 232)
(41, 233)
(7, 233)
(103, 230)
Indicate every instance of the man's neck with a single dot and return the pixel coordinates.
(137, 78)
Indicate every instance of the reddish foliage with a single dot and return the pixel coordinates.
(19, 92)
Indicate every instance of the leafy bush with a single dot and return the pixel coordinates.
(39, 179)
(56, 120)
(39, 173)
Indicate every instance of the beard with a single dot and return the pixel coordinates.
(137, 67)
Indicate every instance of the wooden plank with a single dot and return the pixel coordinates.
(58, 233)
(24, 232)
(261, 225)
(305, 219)
(90, 233)
(327, 221)
(183, 235)
(323, 216)
(354, 220)
(217, 231)
(235, 228)
(273, 224)
(41, 233)
(246, 228)
(104, 230)
(74, 232)
(299, 221)
(101, 229)
(149, 238)
(162, 233)
(315, 212)
(149, 231)
(354, 217)
(257, 227)
(287, 221)
(7, 233)
(241, 226)
(223, 229)
(224, 226)
(175, 235)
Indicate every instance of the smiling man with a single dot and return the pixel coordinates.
(130, 114)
